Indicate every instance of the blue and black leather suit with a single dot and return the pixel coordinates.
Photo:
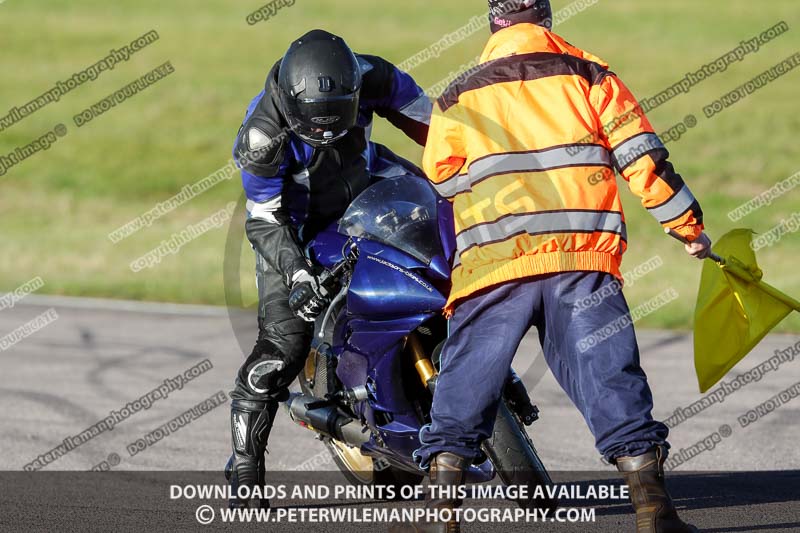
(294, 190)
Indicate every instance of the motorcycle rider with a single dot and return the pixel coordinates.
(518, 146)
(305, 154)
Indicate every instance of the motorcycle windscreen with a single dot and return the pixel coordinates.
(399, 212)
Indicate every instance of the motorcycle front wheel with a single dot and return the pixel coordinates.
(511, 451)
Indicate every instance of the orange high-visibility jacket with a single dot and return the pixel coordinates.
(525, 146)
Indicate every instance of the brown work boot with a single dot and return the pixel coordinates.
(447, 470)
(655, 512)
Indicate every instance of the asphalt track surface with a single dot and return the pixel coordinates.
(98, 356)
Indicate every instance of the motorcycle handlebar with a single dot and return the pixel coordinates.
(330, 278)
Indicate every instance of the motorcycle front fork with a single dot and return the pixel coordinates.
(519, 401)
(422, 363)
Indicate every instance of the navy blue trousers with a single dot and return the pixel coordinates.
(599, 373)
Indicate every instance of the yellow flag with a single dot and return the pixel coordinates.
(735, 310)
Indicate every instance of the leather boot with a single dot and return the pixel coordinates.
(447, 470)
(655, 512)
(251, 422)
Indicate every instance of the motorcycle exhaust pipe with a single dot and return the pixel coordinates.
(325, 418)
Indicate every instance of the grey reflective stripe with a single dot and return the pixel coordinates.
(675, 207)
(634, 148)
(542, 223)
(452, 186)
(419, 109)
(563, 156)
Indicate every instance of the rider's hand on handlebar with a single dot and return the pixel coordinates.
(305, 303)
(700, 247)
(307, 297)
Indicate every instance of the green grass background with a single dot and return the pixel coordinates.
(57, 208)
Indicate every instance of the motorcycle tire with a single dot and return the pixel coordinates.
(514, 456)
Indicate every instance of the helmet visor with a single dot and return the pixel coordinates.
(321, 121)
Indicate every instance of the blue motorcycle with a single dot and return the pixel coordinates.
(368, 381)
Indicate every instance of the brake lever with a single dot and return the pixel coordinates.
(330, 279)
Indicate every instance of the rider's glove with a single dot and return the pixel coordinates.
(307, 298)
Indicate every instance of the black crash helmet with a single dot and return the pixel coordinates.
(319, 80)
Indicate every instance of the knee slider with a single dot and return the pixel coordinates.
(270, 372)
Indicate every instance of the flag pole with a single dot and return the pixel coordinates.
(738, 270)
(778, 295)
